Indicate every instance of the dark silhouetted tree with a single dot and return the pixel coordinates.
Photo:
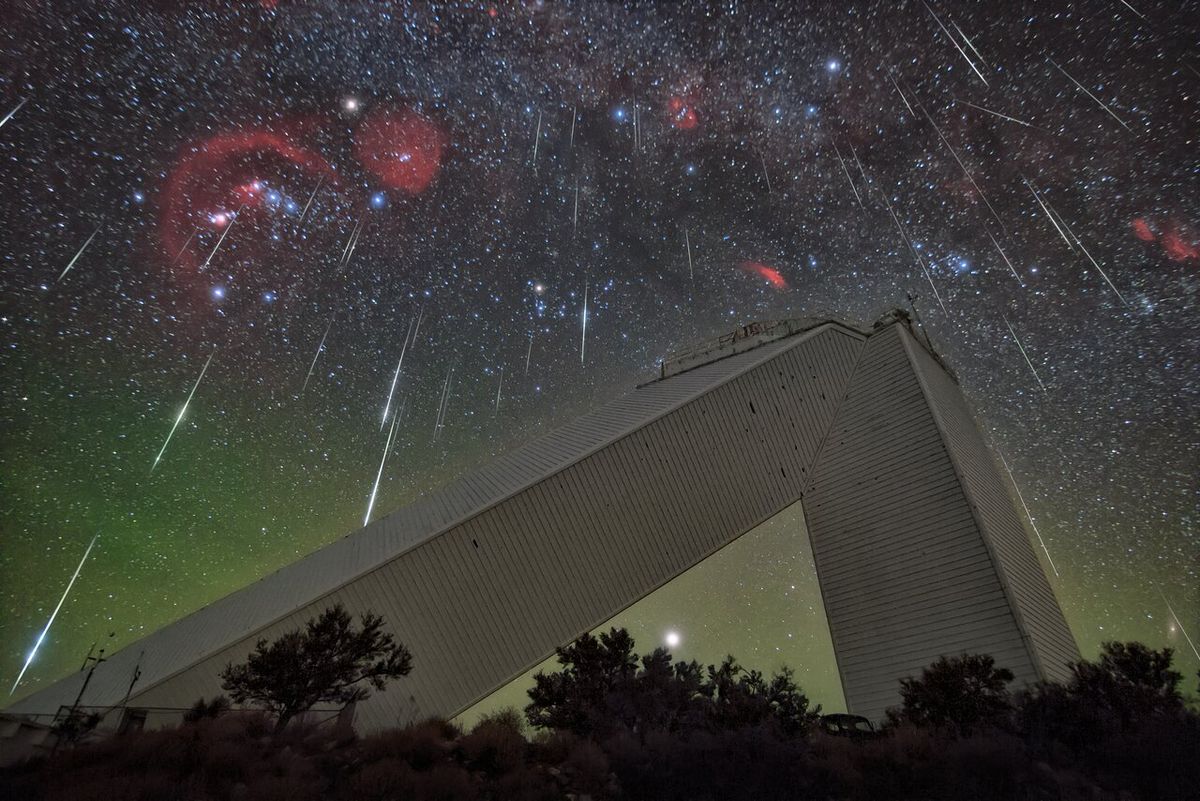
(202, 710)
(1129, 681)
(959, 692)
(742, 698)
(327, 661)
(601, 690)
(576, 698)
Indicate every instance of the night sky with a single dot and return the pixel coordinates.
(254, 208)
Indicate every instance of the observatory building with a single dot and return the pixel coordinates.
(918, 547)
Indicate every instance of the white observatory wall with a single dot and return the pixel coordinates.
(1029, 591)
(494, 595)
(918, 549)
(904, 569)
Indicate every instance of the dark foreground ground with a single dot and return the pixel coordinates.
(237, 756)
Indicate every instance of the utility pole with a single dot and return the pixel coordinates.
(137, 674)
(70, 722)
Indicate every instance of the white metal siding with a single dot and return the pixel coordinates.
(904, 572)
(1029, 591)
(484, 578)
(644, 489)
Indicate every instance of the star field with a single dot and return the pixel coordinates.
(234, 218)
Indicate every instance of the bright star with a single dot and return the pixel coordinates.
(833, 65)
(672, 639)
(378, 200)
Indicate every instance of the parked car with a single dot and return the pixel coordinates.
(856, 727)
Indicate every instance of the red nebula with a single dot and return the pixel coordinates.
(1177, 243)
(682, 113)
(768, 274)
(401, 148)
(1141, 229)
(220, 174)
(1177, 248)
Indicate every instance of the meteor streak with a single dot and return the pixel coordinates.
(957, 46)
(858, 161)
(1049, 214)
(1084, 89)
(1095, 264)
(1004, 256)
(498, 387)
(998, 114)
(966, 172)
(766, 174)
(1028, 516)
(395, 377)
(183, 411)
(375, 489)
(1032, 369)
(351, 244)
(224, 233)
(37, 644)
(687, 241)
(970, 44)
(1143, 16)
(10, 114)
(916, 254)
(528, 354)
(537, 138)
(1178, 622)
(79, 253)
(847, 173)
(183, 249)
(583, 339)
(901, 92)
(439, 424)
(317, 355)
(304, 213)
(574, 113)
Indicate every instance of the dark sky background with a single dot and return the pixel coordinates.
(285, 188)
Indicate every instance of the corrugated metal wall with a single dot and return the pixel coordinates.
(484, 578)
(1038, 611)
(904, 571)
(211, 629)
(493, 595)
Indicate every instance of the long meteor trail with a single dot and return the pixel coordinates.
(224, 234)
(386, 450)
(1178, 623)
(957, 46)
(395, 377)
(1032, 369)
(998, 114)
(1028, 516)
(1098, 101)
(10, 114)
(583, 337)
(183, 411)
(37, 644)
(317, 355)
(79, 252)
